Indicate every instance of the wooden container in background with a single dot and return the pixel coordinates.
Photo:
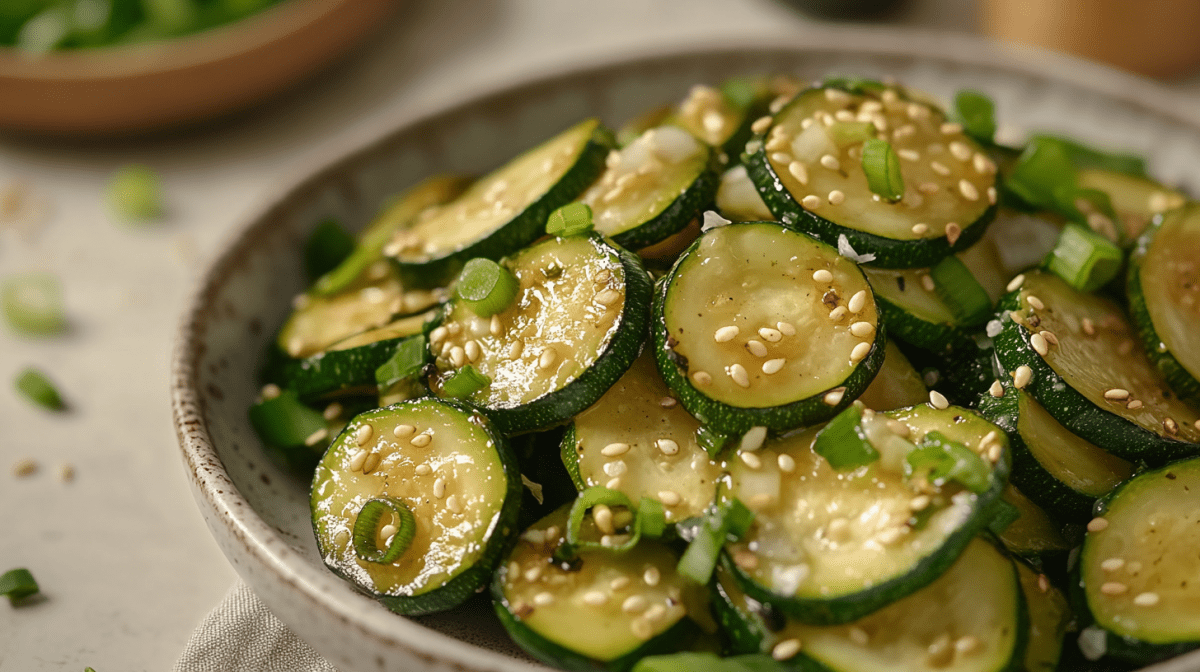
(1150, 37)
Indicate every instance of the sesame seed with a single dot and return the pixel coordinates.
(651, 576)
(1043, 583)
(996, 390)
(669, 497)
(423, 470)
(830, 161)
(836, 197)
(837, 96)
(858, 301)
(1113, 588)
(968, 190)
(810, 202)
(750, 459)
(1171, 426)
(608, 297)
(862, 329)
(983, 165)
(319, 436)
(614, 449)
(834, 396)
(403, 431)
(1050, 337)
(786, 328)
(953, 231)
(939, 168)
(615, 468)
(454, 328)
(371, 463)
(753, 438)
(1112, 564)
(1015, 283)
(613, 483)
(919, 503)
(909, 154)
(782, 158)
(641, 628)
(927, 282)
(838, 313)
(453, 504)
(786, 649)
(1039, 344)
(439, 488)
(726, 334)
(860, 352)
(798, 171)
(543, 599)
(1035, 302)
(472, 351)
(770, 335)
(761, 124)
(458, 356)
(633, 604)
(363, 434)
(756, 348)
(270, 391)
(668, 402)
(938, 400)
(494, 327)
(388, 531)
(619, 583)
(356, 462)
(739, 375)
(1116, 394)
(960, 150)
(1022, 376)
(547, 358)
(787, 464)
(1089, 327)
(858, 636)
(515, 350)
(1146, 599)
(967, 644)
(701, 378)
(928, 188)
(421, 440)
(920, 229)
(438, 334)
(594, 598)
(1097, 525)
(951, 128)
(667, 446)
(822, 275)
(916, 111)
(772, 366)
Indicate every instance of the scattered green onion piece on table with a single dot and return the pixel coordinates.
(571, 219)
(729, 522)
(17, 584)
(465, 382)
(37, 388)
(957, 287)
(327, 246)
(882, 168)
(284, 422)
(406, 362)
(1003, 515)
(842, 442)
(588, 499)
(942, 460)
(977, 113)
(366, 529)
(33, 304)
(486, 287)
(1085, 259)
(845, 133)
(135, 193)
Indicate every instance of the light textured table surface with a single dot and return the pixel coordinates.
(124, 560)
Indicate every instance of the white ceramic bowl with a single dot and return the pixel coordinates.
(259, 514)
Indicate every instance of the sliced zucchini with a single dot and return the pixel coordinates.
(808, 170)
(455, 476)
(605, 611)
(575, 326)
(738, 199)
(757, 325)
(639, 441)
(971, 619)
(1061, 471)
(896, 385)
(1138, 565)
(1135, 199)
(1092, 378)
(652, 188)
(721, 117)
(1033, 533)
(506, 209)
(1164, 297)
(348, 366)
(830, 546)
(1049, 619)
(912, 309)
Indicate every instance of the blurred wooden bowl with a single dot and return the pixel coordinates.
(136, 88)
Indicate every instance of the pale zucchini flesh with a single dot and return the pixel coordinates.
(1135, 199)
(1033, 532)
(1050, 618)
(896, 385)
(1071, 460)
(1170, 282)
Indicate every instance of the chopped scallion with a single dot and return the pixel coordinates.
(977, 113)
(407, 361)
(37, 388)
(842, 442)
(465, 382)
(586, 501)
(1083, 156)
(728, 522)
(571, 219)
(941, 460)
(366, 530)
(33, 304)
(882, 168)
(135, 193)
(17, 584)
(327, 246)
(741, 92)
(846, 133)
(1003, 515)
(1042, 170)
(857, 85)
(1085, 259)
(284, 422)
(651, 518)
(957, 287)
(486, 287)
(711, 441)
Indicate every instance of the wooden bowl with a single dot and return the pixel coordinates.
(137, 88)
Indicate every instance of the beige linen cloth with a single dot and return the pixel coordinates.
(241, 635)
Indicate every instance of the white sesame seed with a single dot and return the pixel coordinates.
(968, 190)
(547, 358)
(939, 168)
(613, 483)
(371, 463)
(928, 188)
(951, 128)
(1116, 394)
(614, 449)
(642, 628)
(920, 229)
(1050, 337)
(830, 161)
(837, 96)
(1022, 376)
(781, 158)
(750, 459)
(1113, 588)
(927, 283)
(983, 165)
(1015, 283)
(356, 462)
(798, 171)
(858, 636)
(608, 297)
(909, 154)
(458, 356)
(363, 434)
(403, 431)
(1035, 302)
(753, 438)
(668, 402)
(862, 329)
(619, 583)
(701, 377)
(669, 497)
(960, 150)
(770, 335)
(472, 351)
(860, 352)
(595, 598)
(667, 446)
(651, 576)
(543, 599)
(1146, 599)
(919, 503)
(836, 197)
(838, 313)
(494, 326)
(726, 334)
(822, 275)
(786, 649)
(615, 468)
(858, 301)
(938, 400)
(1039, 344)
(423, 470)
(953, 231)
(1112, 564)
(761, 124)
(738, 373)
(270, 391)
(967, 644)
(633, 604)
(421, 440)
(772, 366)
(991, 195)
(439, 488)
(1097, 525)
(388, 531)
(786, 328)
(834, 396)
(319, 436)
(756, 348)
(810, 202)
(438, 334)
(515, 350)
(787, 464)
(916, 111)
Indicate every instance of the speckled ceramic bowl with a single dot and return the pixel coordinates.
(259, 514)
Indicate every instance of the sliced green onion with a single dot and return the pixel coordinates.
(1085, 259)
(406, 362)
(882, 168)
(957, 287)
(135, 193)
(17, 584)
(586, 501)
(284, 422)
(571, 219)
(1083, 156)
(465, 382)
(366, 529)
(977, 113)
(486, 287)
(651, 518)
(857, 85)
(741, 92)
(327, 246)
(36, 387)
(1042, 170)
(711, 441)
(846, 133)
(728, 522)
(1003, 515)
(941, 460)
(842, 442)
(33, 304)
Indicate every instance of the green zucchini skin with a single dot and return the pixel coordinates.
(904, 326)
(961, 370)
(688, 206)
(524, 228)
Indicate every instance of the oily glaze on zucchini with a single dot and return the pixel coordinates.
(721, 117)
(1061, 471)
(896, 385)
(760, 326)
(1092, 377)
(504, 210)
(1163, 285)
(1138, 565)
(808, 170)
(455, 475)
(1034, 533)
(1049, 619)
(971, 619)
(1135, 199)
(639, 441)
(575, 326)
(604, 611)
(829, 546)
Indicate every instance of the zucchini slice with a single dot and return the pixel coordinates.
(348, 366)
(1049, 619)
(757, 325)
(457, 478)
(1135, 199)
(575, 326)
(896, 385)
(1033, 533)
(605, 611)
(506, 209)
(971, 619)
(652, 188)
(1061, 471)
(1092, 378)
(808, 170)
(639, 441)
(1138, 565)
(830, 546)
(721, 117)
(738, 199)
(1164, 297)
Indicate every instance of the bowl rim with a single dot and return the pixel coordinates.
(211, 484)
